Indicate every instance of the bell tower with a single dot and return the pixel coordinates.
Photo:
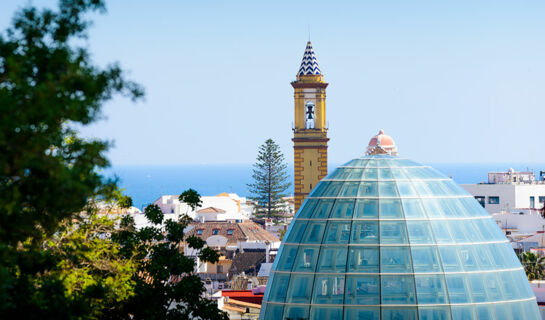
(310, 128)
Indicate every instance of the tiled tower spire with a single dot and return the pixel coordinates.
(309, 65)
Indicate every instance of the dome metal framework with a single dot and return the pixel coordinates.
(388, 238)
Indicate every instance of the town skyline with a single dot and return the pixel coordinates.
(451, 83)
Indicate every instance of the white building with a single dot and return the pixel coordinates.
(509, 192)
(221, 207)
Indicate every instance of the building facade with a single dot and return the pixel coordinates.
(310, 127)
(509, 191)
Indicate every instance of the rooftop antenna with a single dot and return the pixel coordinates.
(309, 32)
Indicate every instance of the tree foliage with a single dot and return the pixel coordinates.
(166, 286)
(269, 179)
(534, 265)
(59, 259)
(191, 197)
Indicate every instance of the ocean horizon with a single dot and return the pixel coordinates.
(146, 183)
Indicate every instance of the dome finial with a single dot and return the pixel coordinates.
(381, 144)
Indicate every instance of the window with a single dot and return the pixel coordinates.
(215, 231)
(532, 202)
(220, 269)
(230, 231)
(493, 200)
(541, 199)
(199, 231)
(480, 199)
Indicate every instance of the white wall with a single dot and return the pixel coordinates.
(512, 196)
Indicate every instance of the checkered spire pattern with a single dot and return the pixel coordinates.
(309, 65)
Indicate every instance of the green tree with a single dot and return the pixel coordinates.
(533, 264)
(48, 86)
(59, 259)
(269, 179)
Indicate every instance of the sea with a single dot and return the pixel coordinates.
(146, 184)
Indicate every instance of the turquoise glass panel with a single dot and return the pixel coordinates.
(369, 174)
(385, 174)
(523, 285)
(494, 288)
(365, 232)
(503, 311)
(484, 259)
(393, 232)
(507, 282)
(364, 313)
(390, 209)
(437, 188)
(399, 313)
(412, 209)
(286, 257)
(425, 259)
(319, 189)
(406, 189)
(485, 312)
(337, 232)
(368, 189)
(314, 232)
(295, 312)
(458, 289)
(349, 189)
(434, 313)
(420, 232)
(450, 259)
(306, 259)
(431, 289)
(387, 189)
(343, 209)
(454, 189)
(333, 189)
(460, 233)
(323, 209)
(366, 209)
(441, 231)
(307, 208)
(328, 289)
(340, 174)
(273, 311)
(468, 257)
(434, 208)
(362, 289)
(332, 259)
(363, 259)
(397, 289)
(296, 231)
(355, 174)
(463, 312)
(395, 259)
(326, 313)
(278, 287)
(478, 288)
(300, 288)
(398, 173)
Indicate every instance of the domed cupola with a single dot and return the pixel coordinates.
(381, 144)
(384, 237)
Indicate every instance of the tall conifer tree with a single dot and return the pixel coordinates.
(270, 179)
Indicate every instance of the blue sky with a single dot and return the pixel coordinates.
(450, 81)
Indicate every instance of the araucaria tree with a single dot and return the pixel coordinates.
(270, 179)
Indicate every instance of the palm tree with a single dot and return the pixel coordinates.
(533, 264)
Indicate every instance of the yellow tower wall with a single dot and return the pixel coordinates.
(310, 145)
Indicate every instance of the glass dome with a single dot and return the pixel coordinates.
(387, 238)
